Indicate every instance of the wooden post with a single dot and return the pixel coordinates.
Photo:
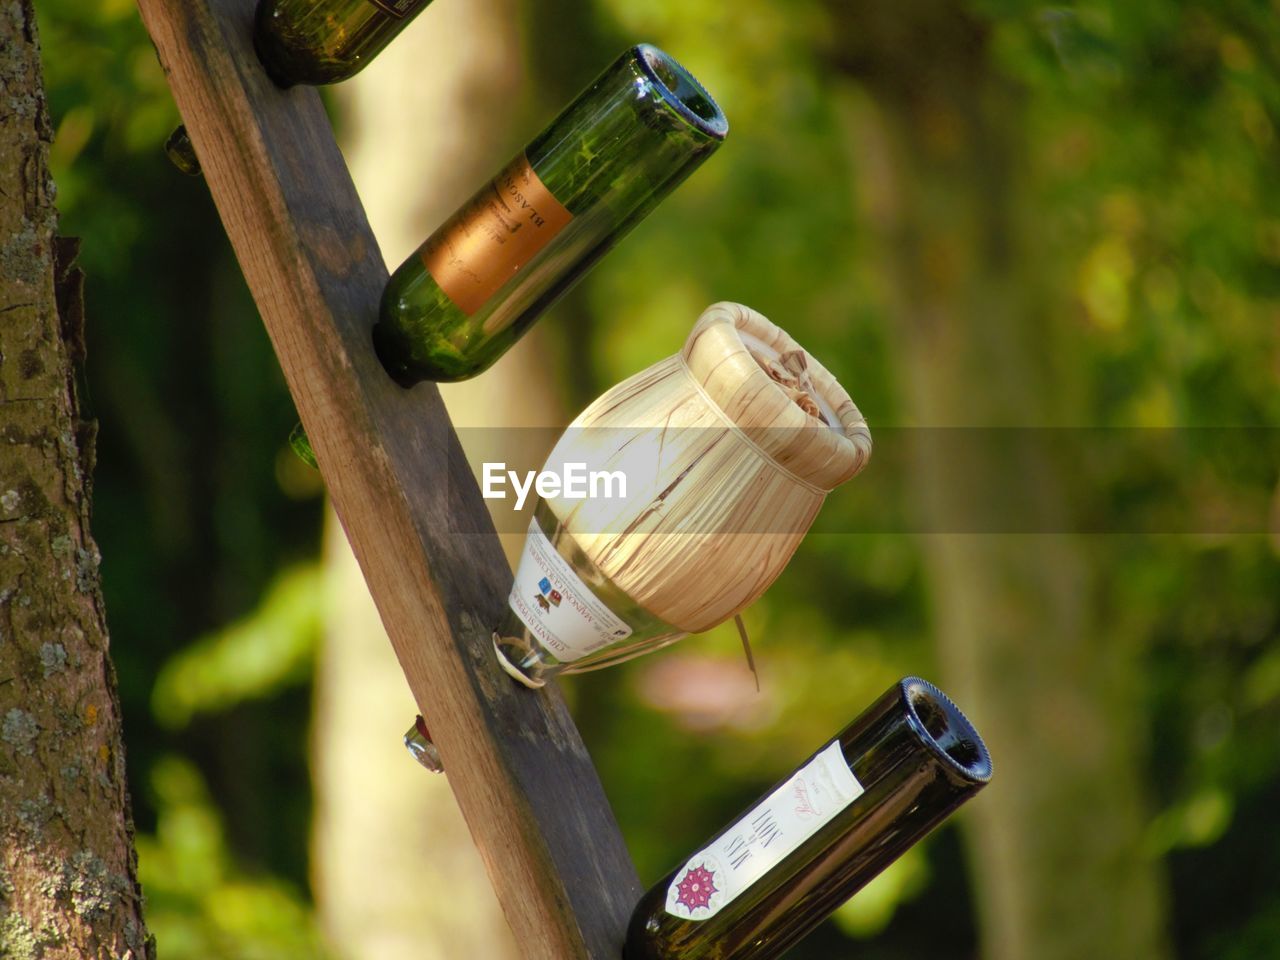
(406, 498)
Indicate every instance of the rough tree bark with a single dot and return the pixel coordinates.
(1056, 840)
(68, 884)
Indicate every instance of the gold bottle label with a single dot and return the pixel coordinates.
(398, 8)
(493, 235)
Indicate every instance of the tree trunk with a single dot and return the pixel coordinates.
(1056, 840)
(68, 878)
(457, 73)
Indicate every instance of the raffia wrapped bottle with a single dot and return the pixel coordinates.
(728, 449)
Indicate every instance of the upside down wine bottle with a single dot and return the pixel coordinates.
(819, 836)
(312, 42)
(479, 282)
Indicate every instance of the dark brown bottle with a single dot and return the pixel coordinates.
(819, 836)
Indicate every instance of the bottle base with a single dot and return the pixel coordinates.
(265, 59)
(388, 351)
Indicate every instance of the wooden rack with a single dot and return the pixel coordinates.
(517, 765)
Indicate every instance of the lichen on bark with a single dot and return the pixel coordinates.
(68, 883)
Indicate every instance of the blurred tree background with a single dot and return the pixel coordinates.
(983, 213)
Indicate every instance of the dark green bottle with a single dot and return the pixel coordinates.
(481, 280)
(819, 836)
(312, 42)
(181, 152)
(326, 41)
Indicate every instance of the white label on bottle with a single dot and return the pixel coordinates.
(557, 607)
(762, 839)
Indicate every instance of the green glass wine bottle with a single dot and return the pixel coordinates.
(326, 41)
(181, 153)
(313, 42)
(819, 836)
(479, 282)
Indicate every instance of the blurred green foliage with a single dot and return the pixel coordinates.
(270, 648)
(1146, 160)
(199, 903)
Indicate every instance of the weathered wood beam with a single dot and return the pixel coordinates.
(515, 760)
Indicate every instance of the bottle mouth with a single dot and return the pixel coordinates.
(683, 91)
(945, 730)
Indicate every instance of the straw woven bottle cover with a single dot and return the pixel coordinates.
(729, 447)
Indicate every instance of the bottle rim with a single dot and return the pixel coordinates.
(945, 730)
(681, 89)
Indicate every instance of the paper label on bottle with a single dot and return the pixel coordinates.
(496, 232)
(774, 829)
(557, 607)
(399, 8)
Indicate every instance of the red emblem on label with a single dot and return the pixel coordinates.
(696, 888)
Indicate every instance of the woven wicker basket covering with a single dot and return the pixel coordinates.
(725, 469)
